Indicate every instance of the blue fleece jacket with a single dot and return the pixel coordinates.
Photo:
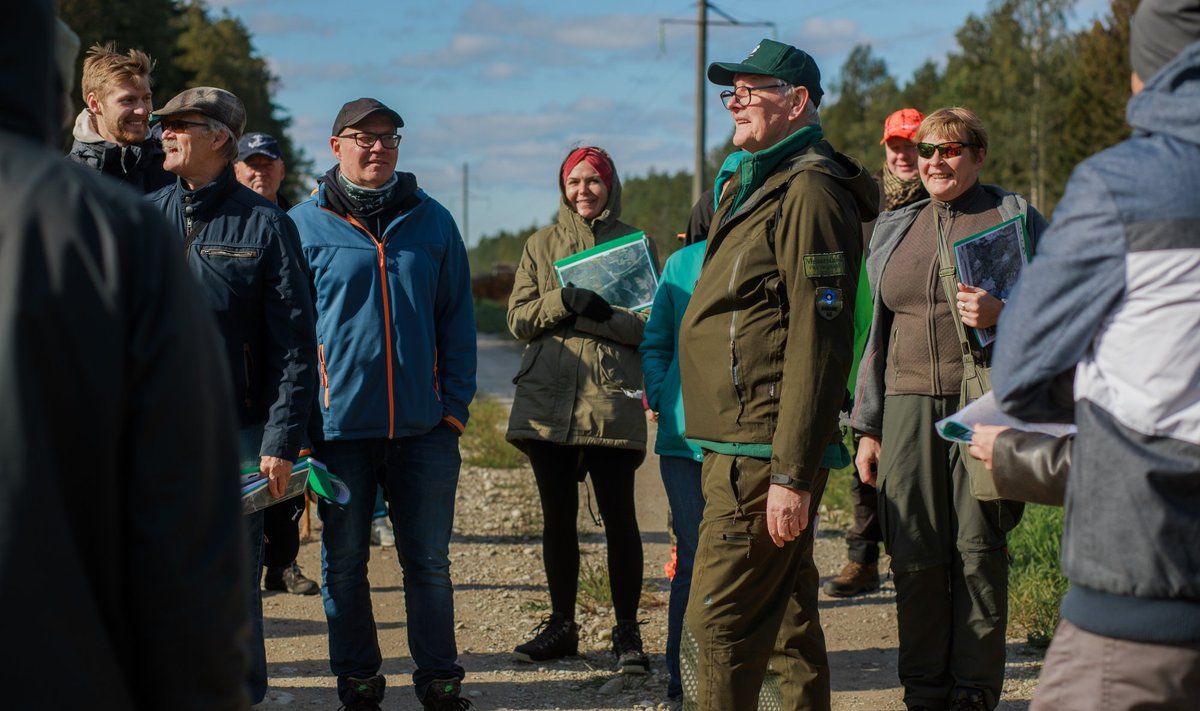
(660, 351)
(395, 320)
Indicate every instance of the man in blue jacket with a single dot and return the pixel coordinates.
(1115, 288)
(396, 348)
(245, 255)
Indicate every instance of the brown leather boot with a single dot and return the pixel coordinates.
(855, 579)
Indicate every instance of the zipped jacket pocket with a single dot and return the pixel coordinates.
(324, 373)
(231, 252)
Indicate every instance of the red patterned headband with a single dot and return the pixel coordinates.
(595, 157)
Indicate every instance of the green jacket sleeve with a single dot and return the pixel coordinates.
(818, 217)
(531, 313)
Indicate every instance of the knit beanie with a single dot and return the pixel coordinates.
(1160, 30)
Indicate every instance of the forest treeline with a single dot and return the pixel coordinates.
(1049, 98)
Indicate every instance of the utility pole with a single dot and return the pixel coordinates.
(699, 180)
(698, 177)
(466, 230)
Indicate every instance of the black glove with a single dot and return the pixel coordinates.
(587, 303)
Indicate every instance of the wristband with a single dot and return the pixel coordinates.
(788, 481)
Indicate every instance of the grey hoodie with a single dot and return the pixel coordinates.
(1115, 288)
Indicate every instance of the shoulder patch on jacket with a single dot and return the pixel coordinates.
(829, 302)
(824, 264)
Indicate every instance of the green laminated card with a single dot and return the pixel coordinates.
(622, 271)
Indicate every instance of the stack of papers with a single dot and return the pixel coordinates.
(307, 473)
(961, 425)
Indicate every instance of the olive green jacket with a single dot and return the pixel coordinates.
(763, 368)
(580, 381)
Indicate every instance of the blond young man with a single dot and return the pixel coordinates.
(112, 133)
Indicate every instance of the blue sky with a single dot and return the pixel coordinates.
(509, 86)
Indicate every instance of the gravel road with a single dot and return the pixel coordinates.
(500, 595)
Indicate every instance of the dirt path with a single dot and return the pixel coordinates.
(500, 594)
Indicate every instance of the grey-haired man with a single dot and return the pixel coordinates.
(244, 253)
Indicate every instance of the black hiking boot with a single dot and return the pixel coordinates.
(364, 694)
(291, 580)
(627, 646)
(554, 638)
(443, 695)
(964, 699)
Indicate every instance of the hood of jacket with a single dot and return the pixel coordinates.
(31, 98)
(1168, 102)
(84, 129)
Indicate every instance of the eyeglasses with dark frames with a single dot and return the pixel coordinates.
(367, 140)
(179, 125)
(742, 95)
(948, 150)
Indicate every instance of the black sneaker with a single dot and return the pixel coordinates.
(443, 695)
(290, 579)
(964, 699)
(627, 646)
(554, 638)
(363, 694)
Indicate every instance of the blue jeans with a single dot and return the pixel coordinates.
(681, 479)
(249, 441)
(420, 476)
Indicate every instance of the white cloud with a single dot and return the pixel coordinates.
(821, 36)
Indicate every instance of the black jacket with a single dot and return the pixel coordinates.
(120, 526)
(139, 165)
(244, 252)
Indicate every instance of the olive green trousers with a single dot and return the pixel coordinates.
(753, 603)
(949, 558)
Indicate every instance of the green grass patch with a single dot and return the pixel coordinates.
(593, 585)
(483, 443)
(491, 316)
(1036, 584)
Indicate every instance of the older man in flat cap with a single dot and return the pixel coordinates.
(245, 254)
(765, 348)
(1114, 294)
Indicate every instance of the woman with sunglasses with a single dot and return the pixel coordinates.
(578, 408)
(949, 560)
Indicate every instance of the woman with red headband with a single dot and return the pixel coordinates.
(578, 408)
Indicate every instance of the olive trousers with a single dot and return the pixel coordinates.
(949, 558)
(753, 603)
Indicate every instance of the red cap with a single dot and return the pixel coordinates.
(902, 124)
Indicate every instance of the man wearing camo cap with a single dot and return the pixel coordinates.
(244, 253)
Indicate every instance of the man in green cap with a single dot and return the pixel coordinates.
(765, 348)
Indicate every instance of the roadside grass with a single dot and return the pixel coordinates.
(491, 316)
(1036, 584)
(593, 584)
(483, 443)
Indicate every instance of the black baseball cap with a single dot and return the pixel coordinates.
(258, 144)
(359, 109)
(773, 59)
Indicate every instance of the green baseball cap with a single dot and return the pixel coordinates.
(773, 59)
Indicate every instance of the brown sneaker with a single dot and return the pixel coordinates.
(855, 579)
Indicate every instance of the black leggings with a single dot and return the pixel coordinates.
(558, 470)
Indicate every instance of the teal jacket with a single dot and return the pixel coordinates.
(660, 351)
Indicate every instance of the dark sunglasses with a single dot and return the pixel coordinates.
(949, 149)
(179, 125)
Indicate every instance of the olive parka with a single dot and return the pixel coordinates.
(580, 381)
(767, 340)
